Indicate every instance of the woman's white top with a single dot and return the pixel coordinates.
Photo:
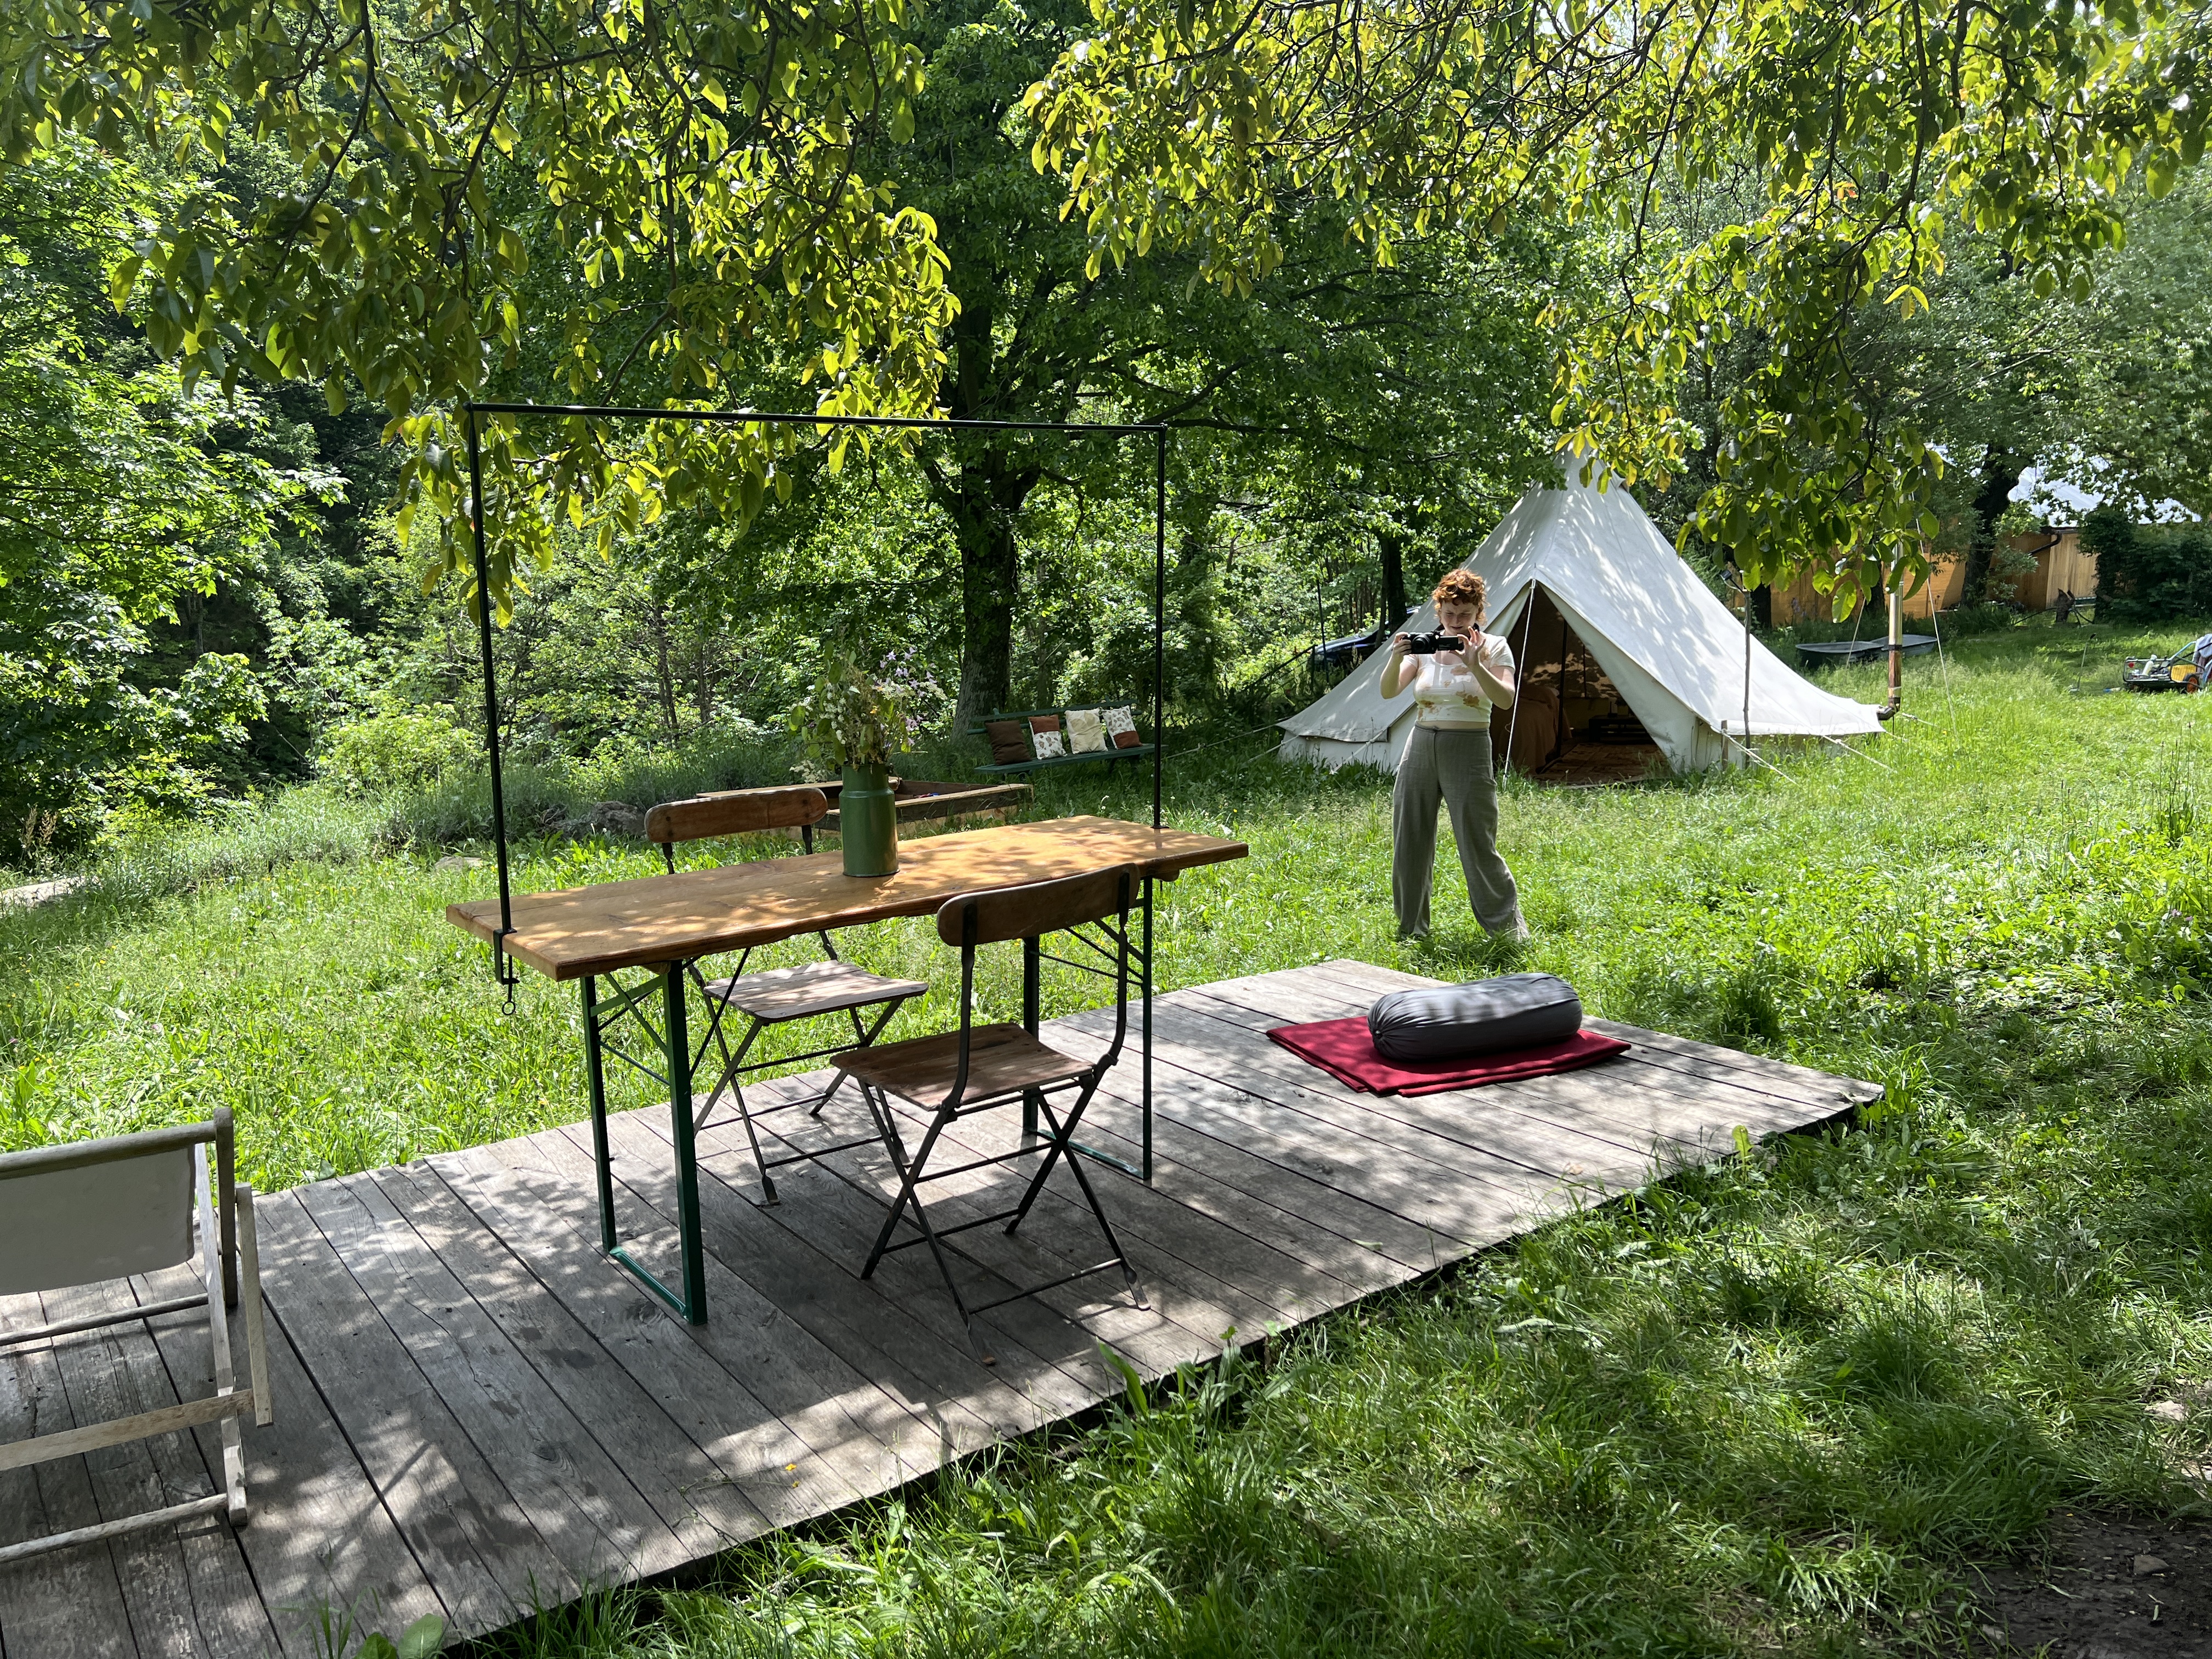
(1447, 696)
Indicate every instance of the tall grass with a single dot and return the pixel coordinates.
(1784, 1406)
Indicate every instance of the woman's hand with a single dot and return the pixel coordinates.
(1398, 643)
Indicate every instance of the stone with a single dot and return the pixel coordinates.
(453, 861)
(2147, 1564)
(2168, 1411)
(615, 818)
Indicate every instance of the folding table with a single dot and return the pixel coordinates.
(662, 924)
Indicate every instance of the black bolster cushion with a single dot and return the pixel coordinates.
(1514, 1011)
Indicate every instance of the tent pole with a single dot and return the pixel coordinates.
(1744, 588)
(502, 969)
(1521, 670)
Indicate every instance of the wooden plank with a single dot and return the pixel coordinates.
(1205, 1155)
(472, 1541)
(590, 1520)
(1347, 1138)
(703, 1379)
(700, 913)
(69, 1602)
(1592, 1143)
(1790, 1082)
(1627, 1098)
(668, 1469)
(319, 1534)
(167, 1573)
(853, 1427)
(1214, 1273)
(1178, 1326)
(1053, 1366)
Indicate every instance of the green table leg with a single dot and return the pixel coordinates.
(691, 1305)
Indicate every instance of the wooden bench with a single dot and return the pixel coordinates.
(1109, 755)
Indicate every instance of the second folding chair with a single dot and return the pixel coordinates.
(959, 1073)
(776, 996)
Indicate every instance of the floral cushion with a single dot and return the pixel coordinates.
(1086, 732)
(1050, 745)
(1120, 722)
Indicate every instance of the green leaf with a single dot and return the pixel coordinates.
(422, 1637)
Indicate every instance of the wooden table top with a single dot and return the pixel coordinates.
(699, 913)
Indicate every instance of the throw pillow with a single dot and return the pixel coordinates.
(1127, 740)
(1009, 742)
(1048, 746)
(1120, 720)
(1086, 732)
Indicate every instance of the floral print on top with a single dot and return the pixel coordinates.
(1447, 696)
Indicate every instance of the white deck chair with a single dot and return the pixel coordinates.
(77, 1215)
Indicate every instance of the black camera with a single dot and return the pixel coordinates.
(1427, 645)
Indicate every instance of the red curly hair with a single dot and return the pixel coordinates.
(1464, 587)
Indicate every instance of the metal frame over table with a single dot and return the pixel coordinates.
(664, 924)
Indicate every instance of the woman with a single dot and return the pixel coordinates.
(1448, 760)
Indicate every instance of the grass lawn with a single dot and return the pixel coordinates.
(1786, 1407)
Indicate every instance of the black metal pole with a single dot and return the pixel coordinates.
(1159, 616)
(503, 970)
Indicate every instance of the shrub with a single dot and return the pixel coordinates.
(392, 750)
(2148, 573)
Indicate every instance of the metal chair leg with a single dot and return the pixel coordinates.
(1062, 1136)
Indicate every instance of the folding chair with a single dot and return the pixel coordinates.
(100, 1209)
(957, 1074)
(776, 996)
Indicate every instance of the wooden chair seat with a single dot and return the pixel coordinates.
(776, 995)
(1001, 1060)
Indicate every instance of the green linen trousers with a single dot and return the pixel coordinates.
(1451, 767)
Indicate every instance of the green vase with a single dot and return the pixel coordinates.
(867, 819)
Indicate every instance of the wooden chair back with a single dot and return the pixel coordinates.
(1041, 907)
(735, 812)
(105, 1209)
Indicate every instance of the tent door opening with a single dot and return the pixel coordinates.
(1574, 726)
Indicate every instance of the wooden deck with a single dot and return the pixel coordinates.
(475, 1412)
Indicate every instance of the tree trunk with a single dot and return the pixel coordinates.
(657, 619)
(1393, 548)
(2000, 477)
(983, 499)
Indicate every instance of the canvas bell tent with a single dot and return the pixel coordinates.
(1622, 649)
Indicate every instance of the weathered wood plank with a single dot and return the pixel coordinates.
(858, 1421)
(754, 1455)
(1626, 1099)
(1156, 1338)
(69, 1602)
(169, 1571)
(812, 1438)
(1594, 1101)
(320, 1537)
(1212, 1134)
(1519, 1172)
(1791, 1082)
(1051, 1366)
(668, 1467)
(1206, 1273)
(474, 1544)
(592, 1521)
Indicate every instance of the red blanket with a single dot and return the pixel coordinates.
(1343, 1048)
